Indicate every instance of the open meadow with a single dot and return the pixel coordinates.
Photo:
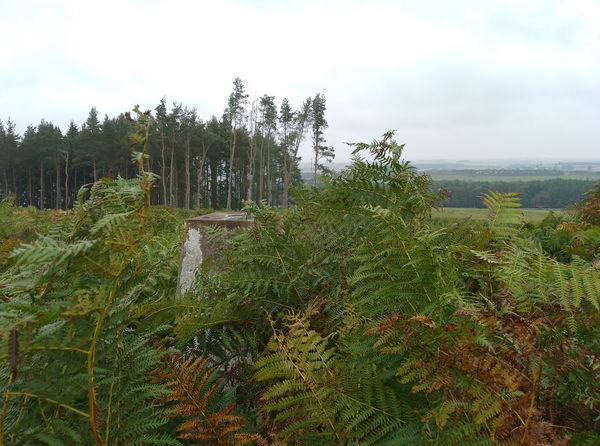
(530, 215)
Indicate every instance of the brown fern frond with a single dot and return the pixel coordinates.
(193, 390)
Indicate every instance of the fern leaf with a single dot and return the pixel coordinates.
(195, 395)
(504, 219)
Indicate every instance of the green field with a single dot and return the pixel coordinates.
(460, 176)
(531, 215)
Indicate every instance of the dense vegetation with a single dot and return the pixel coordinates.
(549, 194)
(251, 152)
(351, 318)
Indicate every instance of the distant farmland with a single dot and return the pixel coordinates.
(512, 175)
(529, 215)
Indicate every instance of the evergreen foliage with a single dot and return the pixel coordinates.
(218, 162)
(554, 193)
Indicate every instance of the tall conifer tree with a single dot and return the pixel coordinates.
(236, 115)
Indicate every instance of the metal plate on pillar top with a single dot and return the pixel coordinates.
(196, 247)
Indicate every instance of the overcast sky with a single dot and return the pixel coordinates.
(456, 79)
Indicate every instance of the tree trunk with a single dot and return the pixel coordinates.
(67, 201)
(187, 194)
(29, 187)
(163, 167)
(213, 188)
(42, 191)
(240, 182)
(198, 185)
(5, 188)
(269, 177)
(252, 150)
(251, 166)
(176, 186)
(200, 168)
(315, 167)
(58, 191)
(74, 184)
(261, 170)
(14, 182)
(286, 179)
(172, 174)
(229, 177)
(206, 184)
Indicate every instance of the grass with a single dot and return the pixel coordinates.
(530, 215)
(463, 177)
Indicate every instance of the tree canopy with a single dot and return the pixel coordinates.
(249, 153)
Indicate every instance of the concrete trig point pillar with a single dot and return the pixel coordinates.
(196, 247)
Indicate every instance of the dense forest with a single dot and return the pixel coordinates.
(250, 152)
(350, 318)
(548, 194)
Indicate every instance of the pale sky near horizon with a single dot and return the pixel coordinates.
(456, 79)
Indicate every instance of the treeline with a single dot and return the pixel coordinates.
(554, 194)
(499, 172)
(250, 152)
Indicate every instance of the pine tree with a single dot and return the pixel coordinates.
(286, 118)
(236, 115)
(319, 124)
(90, 142)
(268, 126)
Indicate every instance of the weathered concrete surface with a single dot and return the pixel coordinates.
(197, 247)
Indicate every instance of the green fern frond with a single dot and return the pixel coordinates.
(313, 402)
(504, 219)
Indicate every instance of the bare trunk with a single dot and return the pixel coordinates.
(206, 183)
(29, 187)
(200, 168)
(316, 154)
(269, 176)
(252, 152)
(176, 188)
(58, 191)
(198, 186)
(315, 168)
(213, 187)
(67, 180)
(75, 184)
(261, 170)
(14, 182)
(171, 175)
(250, 181)
(5, 176)
(286, 177)
(187, 200)
(163, 169)
(42, 191)
(251, 168)
(241, 174)
(291, 157)
(95, 172)
(229, 177)
(250, 177)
